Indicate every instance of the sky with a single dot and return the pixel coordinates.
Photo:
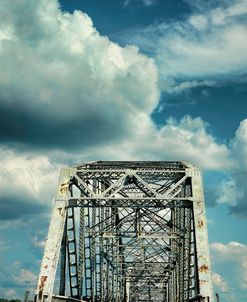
(84, 80)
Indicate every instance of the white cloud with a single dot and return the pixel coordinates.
(220, 16)
(220, 283)
(28, 173)
(200, 22)
(26, 182)
(239, 146)
(38, 241)
(62, 83)
(187, 139)
(234, 191)
(76, 90)
(233, 254)
(210, 44)
(228, 192)
(25, 277)
(184, 85)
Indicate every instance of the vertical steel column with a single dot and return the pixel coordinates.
(103, 294)
(53, 243)
(81, 251)
(87, 253)
(201, 235)
(97, 230)
(93, 253)
(97, 256)
(63, 253)
(72, 254)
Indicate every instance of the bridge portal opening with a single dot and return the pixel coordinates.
(128, 232)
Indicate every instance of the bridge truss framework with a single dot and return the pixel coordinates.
(142, 234)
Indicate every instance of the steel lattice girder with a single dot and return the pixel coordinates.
(142, 234)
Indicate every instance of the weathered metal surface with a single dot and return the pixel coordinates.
(142, 237)
(54, 239)
(201, 235)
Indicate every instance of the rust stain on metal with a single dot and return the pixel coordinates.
(200, 224)
(59, 211)
(204, 268)
(64, 187)
(204, 258)
(43, 280)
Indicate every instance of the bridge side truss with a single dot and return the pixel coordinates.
(142, 234)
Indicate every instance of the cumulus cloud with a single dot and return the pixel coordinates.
(233, 191)
(188, 139)
(64, 85)
(28, 181)
(25, 277)
(38, 241)
(27, 184)
(210, 45)
(239, 146)
(233, 254)
(220, 283)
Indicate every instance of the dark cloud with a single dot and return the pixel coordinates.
(19, 207)
(39, 128)
(65, 86)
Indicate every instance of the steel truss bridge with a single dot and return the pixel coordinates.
(127, 231)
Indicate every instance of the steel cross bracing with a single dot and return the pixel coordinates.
(142, 234)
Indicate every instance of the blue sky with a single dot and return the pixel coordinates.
(127, 80)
